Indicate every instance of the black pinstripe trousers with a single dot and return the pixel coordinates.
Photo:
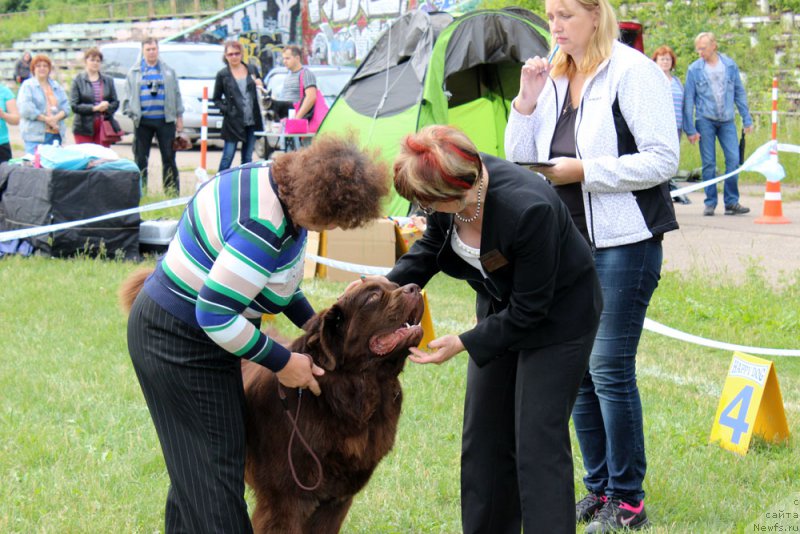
(194, 392)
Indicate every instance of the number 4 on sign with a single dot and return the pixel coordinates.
(751, 403)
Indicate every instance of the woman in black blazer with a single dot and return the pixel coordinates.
(92, 98)
(505, 231)
(236, 96)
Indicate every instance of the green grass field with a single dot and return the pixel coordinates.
(78, 452)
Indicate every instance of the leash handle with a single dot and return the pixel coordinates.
(296, 431)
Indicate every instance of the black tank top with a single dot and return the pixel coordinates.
(563, 145)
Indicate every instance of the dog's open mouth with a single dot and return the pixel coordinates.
(407, 335)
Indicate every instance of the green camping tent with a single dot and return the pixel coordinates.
(431, 68)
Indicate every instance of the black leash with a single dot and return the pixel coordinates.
(296, 430)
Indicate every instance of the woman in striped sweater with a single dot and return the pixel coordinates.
(238, 253)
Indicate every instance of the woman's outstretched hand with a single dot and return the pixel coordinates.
(444, 348)
(299, 372)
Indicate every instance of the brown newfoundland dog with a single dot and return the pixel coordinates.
(308, 456)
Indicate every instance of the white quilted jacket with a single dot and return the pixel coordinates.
(615, 217)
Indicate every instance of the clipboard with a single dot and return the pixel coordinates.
(536, 163)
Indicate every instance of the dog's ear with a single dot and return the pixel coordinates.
(331, 336)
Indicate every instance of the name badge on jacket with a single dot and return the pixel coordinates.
(493, 260)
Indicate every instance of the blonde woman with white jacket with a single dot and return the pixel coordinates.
(602, 113)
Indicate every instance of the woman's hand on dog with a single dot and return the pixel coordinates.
(299, 372)
(444, 347)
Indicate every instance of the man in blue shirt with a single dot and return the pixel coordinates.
(713, 87)
(153, 101)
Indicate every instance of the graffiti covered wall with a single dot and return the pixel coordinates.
(342, 32)
(263, 27)
(331, 32)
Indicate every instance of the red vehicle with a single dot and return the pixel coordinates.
(632, 34)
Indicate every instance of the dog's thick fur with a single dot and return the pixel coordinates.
(362, 342)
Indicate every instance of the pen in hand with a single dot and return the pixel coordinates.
(552, 54)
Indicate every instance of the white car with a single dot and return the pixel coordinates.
(196, 66)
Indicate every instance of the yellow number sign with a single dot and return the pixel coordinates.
(751, 402)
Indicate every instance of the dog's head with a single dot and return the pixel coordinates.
(375, 321)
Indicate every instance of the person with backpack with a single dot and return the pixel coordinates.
(300, 83)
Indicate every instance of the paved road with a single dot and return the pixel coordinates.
(704, 246)
(727, 245)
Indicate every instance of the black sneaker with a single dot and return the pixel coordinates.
(616, 515)
(586, 508)
(736, 209)
(708, 211)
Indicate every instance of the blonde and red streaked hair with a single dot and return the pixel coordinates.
(436, 164)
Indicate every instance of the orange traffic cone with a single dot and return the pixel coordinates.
(773, 208)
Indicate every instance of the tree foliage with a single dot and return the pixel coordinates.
(676, 23)
(13, 6)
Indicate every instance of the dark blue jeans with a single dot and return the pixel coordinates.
(729, 142)
(608, 411)
(229, 150)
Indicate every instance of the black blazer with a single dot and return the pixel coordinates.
(81, 99)
(542, 287)
(228, 100)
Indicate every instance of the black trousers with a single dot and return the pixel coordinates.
(142, 140)
(194, 392)
(516, 458)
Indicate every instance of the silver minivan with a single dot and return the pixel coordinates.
(196, 66)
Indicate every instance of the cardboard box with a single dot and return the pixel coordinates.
(374, 245)
(408, 230)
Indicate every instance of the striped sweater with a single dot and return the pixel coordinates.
(236, 255)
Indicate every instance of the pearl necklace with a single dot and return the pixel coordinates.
(477, 208)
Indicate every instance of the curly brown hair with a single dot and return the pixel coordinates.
(332, 182)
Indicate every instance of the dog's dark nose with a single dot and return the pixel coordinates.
(411, 288)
